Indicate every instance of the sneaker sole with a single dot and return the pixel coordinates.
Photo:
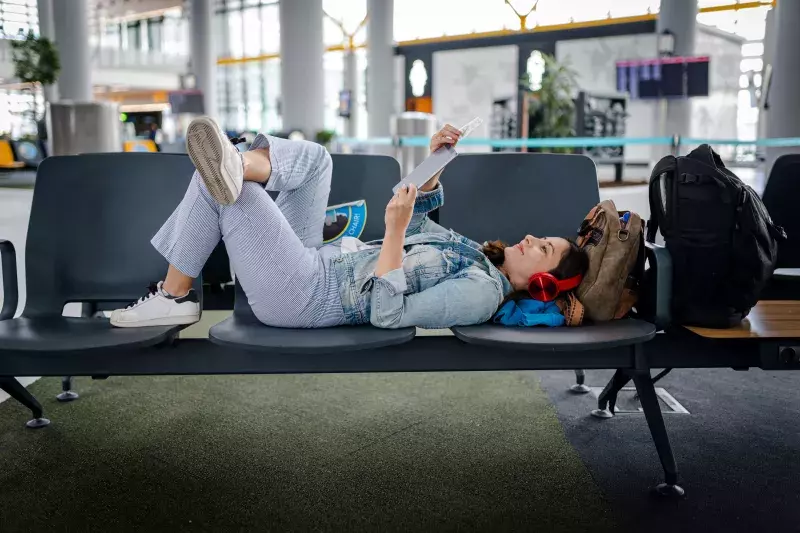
(205, 149)
(163, 321)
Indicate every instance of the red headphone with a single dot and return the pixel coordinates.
(545, 287)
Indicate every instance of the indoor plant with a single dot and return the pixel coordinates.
(549, 101)
(36, 63)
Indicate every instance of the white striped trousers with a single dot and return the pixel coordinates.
(272, 244)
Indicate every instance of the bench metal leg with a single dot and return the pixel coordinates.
(608, 398)
(652, 412)
(579, 387)
(655, 379)
(15, 389)
(67, 394)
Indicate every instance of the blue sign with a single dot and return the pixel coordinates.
(344, 220)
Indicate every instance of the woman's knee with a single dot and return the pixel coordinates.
(319, 156)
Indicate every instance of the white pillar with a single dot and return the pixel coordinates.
(351, 84)
(302, 71)
(47, 29)
(769, 59)
(679, 17)
(71, 22)
(144, 36)
(203, 50)
(784, 111)
(380, 67)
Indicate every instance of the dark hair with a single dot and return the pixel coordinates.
(575, 262)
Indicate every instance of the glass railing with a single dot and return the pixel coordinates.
(112, 58)
(139, 59)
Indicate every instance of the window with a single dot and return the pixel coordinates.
(535, 68)
(334, 78)
(747, 23)
(415, 19)
(254, 104)
(18, 17)
(15, 116)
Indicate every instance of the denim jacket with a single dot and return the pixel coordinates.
(445, 279)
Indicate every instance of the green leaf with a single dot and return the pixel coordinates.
(35, 60)
(552, 107)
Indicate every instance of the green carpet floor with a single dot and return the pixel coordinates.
(375, 452)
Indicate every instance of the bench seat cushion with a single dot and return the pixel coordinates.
(588, 337)
(249, 334)
(67, 334)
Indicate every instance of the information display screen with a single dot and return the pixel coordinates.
(187, 102)
(668, 77)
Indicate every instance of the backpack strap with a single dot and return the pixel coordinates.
(631, 290)
(572, 309)
(665, 165)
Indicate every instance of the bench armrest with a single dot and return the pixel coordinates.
(656, 297)
(8, 260)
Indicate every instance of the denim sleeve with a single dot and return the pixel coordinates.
(472, 299)
(426, 202)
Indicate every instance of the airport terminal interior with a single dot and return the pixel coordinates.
(398, 372)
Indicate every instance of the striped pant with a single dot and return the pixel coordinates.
(273, 244)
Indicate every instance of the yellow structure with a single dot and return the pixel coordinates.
(140, 145)
(7, 156)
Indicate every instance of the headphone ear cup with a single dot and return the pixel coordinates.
(543, 287)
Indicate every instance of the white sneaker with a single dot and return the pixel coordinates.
(216, 159)
(158, 308)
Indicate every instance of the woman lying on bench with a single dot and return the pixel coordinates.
(419, 275)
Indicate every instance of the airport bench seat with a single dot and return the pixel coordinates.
(91, 222)
(588, 337)
(71, 334)
(89, 241)
(547, 180)
(244, 331)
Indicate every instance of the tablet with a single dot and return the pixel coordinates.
(428, 168)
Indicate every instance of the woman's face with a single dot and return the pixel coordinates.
(531, 256)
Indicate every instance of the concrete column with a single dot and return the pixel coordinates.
(302, 74)
(144, 36)
(380, 67)
(71, 23)
(679, 17)
(769, 59)
(784, 111)
(351, 84)
(47, 29)
(203, 52)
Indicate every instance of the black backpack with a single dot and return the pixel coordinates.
(723, 243)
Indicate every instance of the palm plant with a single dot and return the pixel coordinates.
(551, 108)
(36, 63)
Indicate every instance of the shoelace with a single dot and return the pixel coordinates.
(152, 290)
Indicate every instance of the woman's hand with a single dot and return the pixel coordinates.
(447, 135)
(400, 210)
